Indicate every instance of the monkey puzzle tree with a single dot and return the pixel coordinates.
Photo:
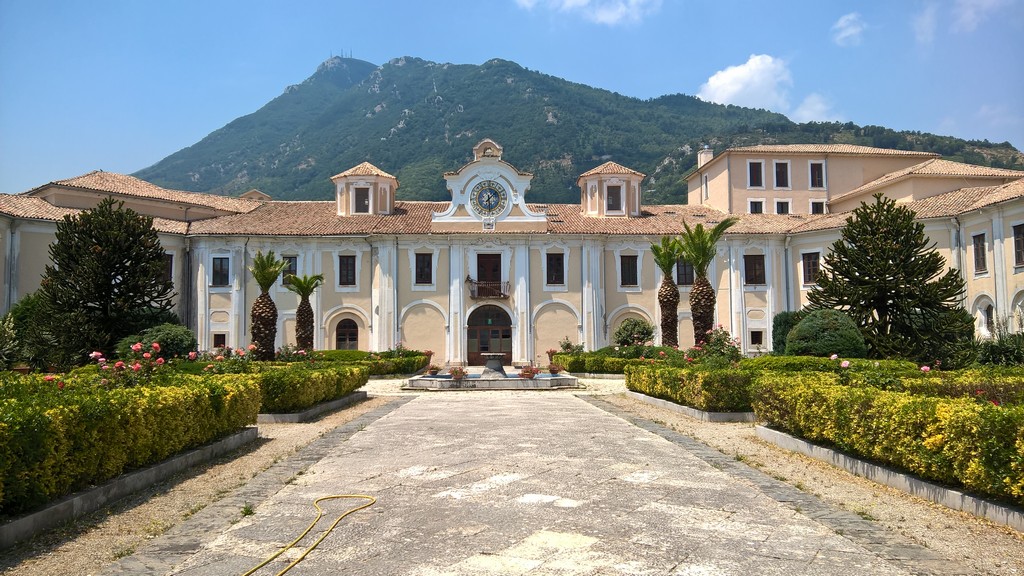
(885, 274)
(665, 256)
(265, 270)
(304, 287)
(106, 280)
(697, 246)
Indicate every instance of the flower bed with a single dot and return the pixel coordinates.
(60, 434)
(710, 390)
(957, 441)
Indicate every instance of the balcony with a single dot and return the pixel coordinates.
(487, 290)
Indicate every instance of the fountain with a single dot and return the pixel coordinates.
(493, 377)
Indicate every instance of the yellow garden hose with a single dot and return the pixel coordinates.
(319, 515)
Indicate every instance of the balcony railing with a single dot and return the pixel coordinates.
(483, 290)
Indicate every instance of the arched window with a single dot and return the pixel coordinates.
(990, 319)
(347, 335)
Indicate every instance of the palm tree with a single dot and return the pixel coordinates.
(265, 269)
(665, 256)
(304, 287)
(697, 246)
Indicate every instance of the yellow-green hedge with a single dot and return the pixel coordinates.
(296, 387)
(596, 363)
(56, 441)
(957, 441)
(712, 390)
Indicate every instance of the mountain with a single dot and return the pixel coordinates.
(418, 119)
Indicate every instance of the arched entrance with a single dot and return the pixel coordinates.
(347, 335)
(489, 330)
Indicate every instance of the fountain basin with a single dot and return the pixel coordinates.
(475, 382)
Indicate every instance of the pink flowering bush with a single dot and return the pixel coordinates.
(717, 349)
(141, 366)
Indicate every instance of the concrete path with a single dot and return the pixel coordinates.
(528, 483)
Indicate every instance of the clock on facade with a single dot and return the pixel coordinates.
(488, 198)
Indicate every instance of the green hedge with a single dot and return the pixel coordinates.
(822, 364)
(391, 366)
(343, 355)
(295, 387)
(596, 363)
(1000, 390)
(954, 441)
(56, 441)
(715, 390)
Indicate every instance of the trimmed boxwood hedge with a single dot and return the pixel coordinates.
(56, 441)
(295, 387)
(955, 441)
(821, 364)
(713, 390)
(596, 363)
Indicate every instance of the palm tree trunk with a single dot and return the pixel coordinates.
(668, 299)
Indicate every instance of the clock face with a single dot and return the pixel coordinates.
(488, 198)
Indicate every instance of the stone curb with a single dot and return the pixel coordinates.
(693, 412)
(163, 553)
(947, 497)
(892, 547)
(313, 411)
(82, 503)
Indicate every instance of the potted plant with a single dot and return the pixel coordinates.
(554, 368)
(457, 372)
(433, 369)
(528, 372)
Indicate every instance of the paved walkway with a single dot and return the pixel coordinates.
(526, 483)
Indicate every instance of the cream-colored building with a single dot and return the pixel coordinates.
(489, 271)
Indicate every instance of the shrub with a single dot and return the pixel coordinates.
(826, 332)
(176, 341)
(62, 434)
(344, 355)
(633, 332)
(715, 390)
(1004, 348)
(782, 323)
(575, 363)
(821, 364)
(718, 349)
(948, 440)
(294, 387)
(567, 347)
(8, 342)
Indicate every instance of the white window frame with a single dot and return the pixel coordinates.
(705, 186)
(352, 198)
(751, 200)
(221, 288)
(824, 175)
(762, 186)
(622, 197)
(280, 286)
(775, 173)
(810, 206)
(804, 285)
(554, 248)
(629, 251)
(743, 272)
(358, 253)
(789, 205)
(412, 251)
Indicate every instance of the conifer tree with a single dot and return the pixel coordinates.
(885, 273)
(106, 280)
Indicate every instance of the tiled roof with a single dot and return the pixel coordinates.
(934, 167)
(939, 206)
(113, 183)
(828, 149)
(21, 206)
(364, 169)
(611, 168)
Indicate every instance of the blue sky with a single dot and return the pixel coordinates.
(119, 85)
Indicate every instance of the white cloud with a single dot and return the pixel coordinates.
(924, 24)
(815, 108)
(847, 31)
(607, 12)
(967, 14)
(761, 82)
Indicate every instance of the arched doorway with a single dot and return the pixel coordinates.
(489, 330)
(347, 335)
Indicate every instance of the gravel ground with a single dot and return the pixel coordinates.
(89, 544)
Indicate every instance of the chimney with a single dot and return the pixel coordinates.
(704, 155)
